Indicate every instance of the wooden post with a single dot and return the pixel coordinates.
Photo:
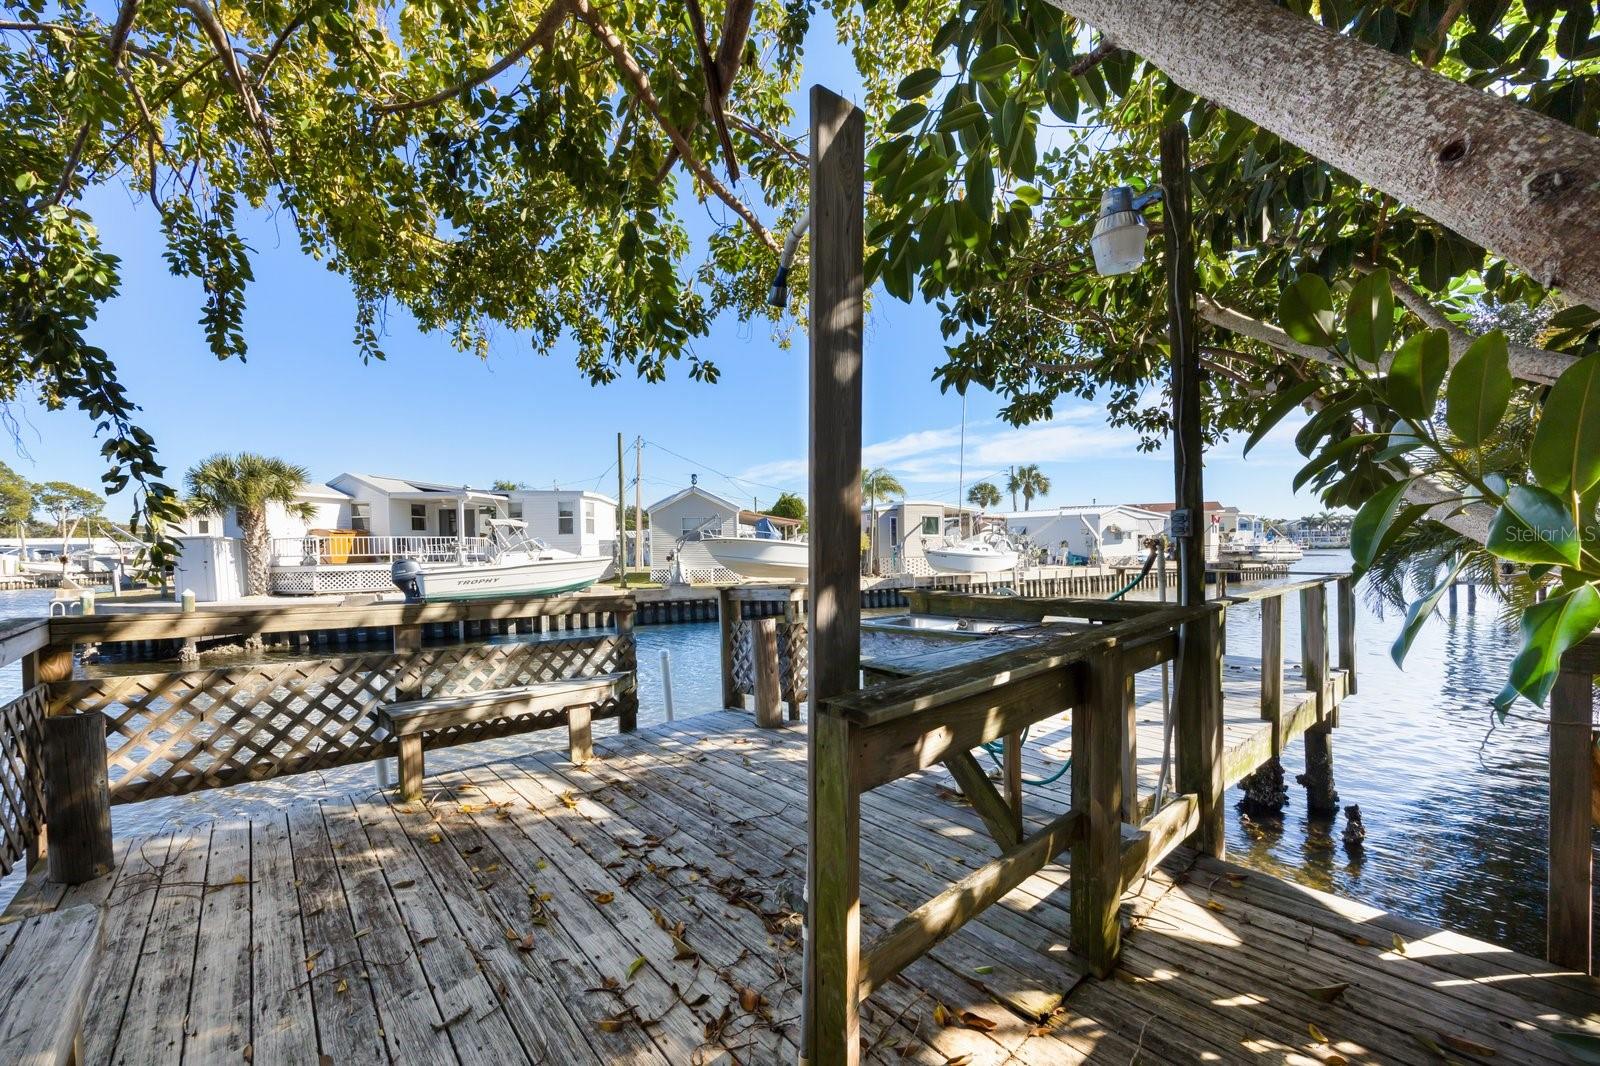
(1272, 668)
(764, 652)
(1346, 592)
(580, 738)
(832, 1027)
(791, 623)
(1189, 489)
(1097, 730)
(628, 712)
(1199, 728)
(77, 797)
(1569, 916)
(407, 638)
(727, 629)
(1314, 644)
(411, 766)
(1012, 764)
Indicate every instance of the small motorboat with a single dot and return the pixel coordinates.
(986, 553)
(514, 564)
(763, 554)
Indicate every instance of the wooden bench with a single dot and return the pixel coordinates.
(409, 719)
(47, 964)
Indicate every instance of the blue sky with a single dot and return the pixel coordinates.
(433, 413)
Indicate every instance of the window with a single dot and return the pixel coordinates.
(588, 517)
(514, 510)
(419, 518)
(361, 517)
(564, 518)
(930, 526)
(203, 526)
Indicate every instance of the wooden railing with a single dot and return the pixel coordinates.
(121, 738)
(762, 647)
(322, 550)
(1574, 809)
(870, 738)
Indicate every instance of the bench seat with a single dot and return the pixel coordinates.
(409, 719)
(47, 966)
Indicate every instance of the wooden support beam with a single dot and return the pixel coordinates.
(1272, 669)
(916, 934)
(832, 1021)
(1346, 591)
(981, 793)
(1183, 342)
(1314, 645)
(1160, 833)
(1012, 774)
(628, 663)
(1199, 728)
(764, 652)
(411, 767)
(1097, 741)
(1570, 911)
(727, 619)
(580, 734)
(77, 797)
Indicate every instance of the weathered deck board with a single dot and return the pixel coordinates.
(529, 911)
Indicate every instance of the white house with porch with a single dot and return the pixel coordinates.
(677, 523)
(1110, 534)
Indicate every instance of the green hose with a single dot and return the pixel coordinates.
(996, 748)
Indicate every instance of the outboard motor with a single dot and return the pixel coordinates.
(407, 576)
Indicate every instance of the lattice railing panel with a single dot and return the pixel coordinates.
(791, 659)
(172, 733)
(21, 775)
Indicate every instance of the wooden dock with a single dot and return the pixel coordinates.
(643, 909)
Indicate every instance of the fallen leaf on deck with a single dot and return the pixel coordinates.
(1399, 945)
(1213, 905)
(983, 969)
(977, 1021)
(1467, 1047)
(435, 838)
(1316, 1034)
(512, 934)
(311, 959)
(941, 1015)
(1327, 993)
(603, 898)
(635, 966)
(749, 1000)
(526, 943)
(238, 879)
(342, 986)
(1361, 940)
(682, 950)
(569, 799)
(959, 1060)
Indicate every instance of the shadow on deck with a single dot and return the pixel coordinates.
(642, 909)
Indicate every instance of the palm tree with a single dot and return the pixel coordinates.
(983, 495)
(1030, 481)
(877, 484)
(248, 483)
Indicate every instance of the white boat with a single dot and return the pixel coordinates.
(1248, 546)
(760, 556)
(985, 553)
(514, 564)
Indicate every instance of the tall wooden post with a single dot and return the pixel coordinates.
(1097, 784)
(833, 904)
(1199, 689)
(1569, 916)
(77, 797)
(727, 630)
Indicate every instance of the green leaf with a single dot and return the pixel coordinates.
(1420, 611)
(907, 117)
(1369, 316)
(1305, 310)
(1372, 522)
(25, 181)
(1565, 456)
(1534, 526)
(1028, 195)
(1281, 405)
(1480, 387)
(1417, 372)
(967, 114)
(994, 63)
(1548, 630)
(917, 84)
(1401, 441)
(1333, 453)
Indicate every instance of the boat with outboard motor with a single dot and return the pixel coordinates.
(513, 563)
(989, 552)
(763, 553)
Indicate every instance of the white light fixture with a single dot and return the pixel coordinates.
(1120, 230)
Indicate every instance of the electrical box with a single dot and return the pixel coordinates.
(1182, 522)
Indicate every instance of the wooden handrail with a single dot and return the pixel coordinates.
(1276, 591)
(22, 637)
(1024, 609)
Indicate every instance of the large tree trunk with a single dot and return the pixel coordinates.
(1524, 186)
(257, 551)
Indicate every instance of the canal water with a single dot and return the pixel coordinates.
(1454, 803)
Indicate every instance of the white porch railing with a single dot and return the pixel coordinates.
(350, 549)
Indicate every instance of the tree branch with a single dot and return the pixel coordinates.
(777, 144)
(232, 70)
(646, 96)
(730, 53)
(1527, 363)
(716, 92)
(543, 32)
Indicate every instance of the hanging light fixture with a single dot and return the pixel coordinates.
(1120, 230)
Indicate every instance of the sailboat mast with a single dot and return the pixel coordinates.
(961, 470)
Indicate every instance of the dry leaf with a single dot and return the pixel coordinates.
(985, 970)
(238, 879)
(569, 799)
(682, 950)
(941, 1015)
(435, 838)
(1333, 1058)
(526, 943)
(749, 1000)
(603, 898)
(959, 1060)
(513, 935)
(977, 1021)
(1399, 945)
(1213, 905)
(1327, 993)
(342, 986)
(1316, 1034)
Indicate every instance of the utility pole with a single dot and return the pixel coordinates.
(638, 507)
(622, 523)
